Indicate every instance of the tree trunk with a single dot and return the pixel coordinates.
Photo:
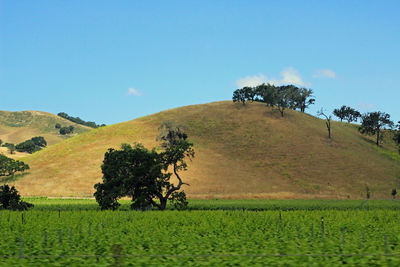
(163, 203)
(328, 126)
(281, 110)
(377, 137)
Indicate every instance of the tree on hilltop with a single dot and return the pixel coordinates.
(303, 98)
(346, 113)
(239, 96)
(340, 112)
(373, 123)
(143, 175)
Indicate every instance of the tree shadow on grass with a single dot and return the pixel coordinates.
(368, 140)
(13, 178)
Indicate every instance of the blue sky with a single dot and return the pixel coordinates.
(112, 61)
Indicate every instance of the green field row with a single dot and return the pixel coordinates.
(102, 238)
(43, 203)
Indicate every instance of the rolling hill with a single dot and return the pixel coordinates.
(241, 152)
(16, 127)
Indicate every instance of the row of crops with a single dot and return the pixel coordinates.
(196, 237)
(44, 203)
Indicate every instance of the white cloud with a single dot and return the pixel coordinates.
(133, 91)
(251, 81)
(366, 106)
(289, 76)
(324, 73)
(292, 76)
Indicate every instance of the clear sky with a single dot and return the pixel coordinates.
(112, 61)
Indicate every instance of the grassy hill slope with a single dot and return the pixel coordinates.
(16, 127)
(241, 152)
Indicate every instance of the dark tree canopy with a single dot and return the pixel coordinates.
(78, 120)
(282, 97)
(11, 200)
(303, 98)
(373, 123)
(239, 96)
(39, 141)
(10, 166)
(286, 98)
(346, 113)
(66, 130)
(340, 113)
(142, 174)
(32, 145)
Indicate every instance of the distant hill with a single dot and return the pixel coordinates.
(241, 152)
(16, 127)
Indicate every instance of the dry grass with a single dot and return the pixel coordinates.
(16, 127)
(241, 152)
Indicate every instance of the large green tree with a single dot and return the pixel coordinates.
(303, 98)
(373, 123)
(143, 175)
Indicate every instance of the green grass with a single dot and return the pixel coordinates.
(79, 234)
(43, 203)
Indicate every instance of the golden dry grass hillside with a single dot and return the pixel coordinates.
(16, 127)
(241, 152)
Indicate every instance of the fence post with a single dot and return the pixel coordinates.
(322, 228)
(59, 236)
(44, 240)
(312, 231)
(343, 229)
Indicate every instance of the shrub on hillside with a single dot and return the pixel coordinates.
(10, 166)
(66, 130)
(78, 120)
(32, 145)
(11, 200)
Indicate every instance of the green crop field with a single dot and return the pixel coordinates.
(213, 232)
